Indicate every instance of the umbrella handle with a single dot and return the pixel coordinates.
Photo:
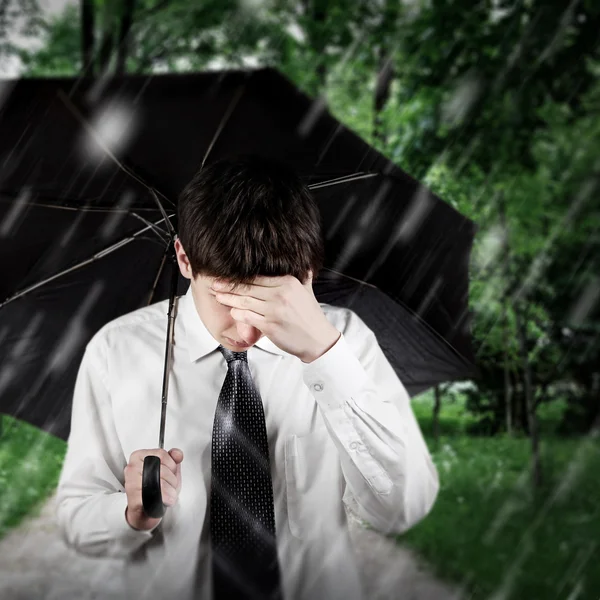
(151, 494)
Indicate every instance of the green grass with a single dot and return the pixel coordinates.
(489, 530)
(30, 464)
(454, 418)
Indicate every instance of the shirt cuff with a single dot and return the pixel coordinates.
(335, 379)
(335, 375)
(114, 512)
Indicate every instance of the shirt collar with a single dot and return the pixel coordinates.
(200, 341)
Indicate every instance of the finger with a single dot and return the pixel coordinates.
(267, 281)
(169, 494)
(176, 454)
(255, 292)
(257, 288)
(249, 303)
(247, 317)
(165, 458)
(168, 476)
(165, 474)
(178, 477)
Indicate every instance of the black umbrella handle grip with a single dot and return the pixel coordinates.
(151, 494)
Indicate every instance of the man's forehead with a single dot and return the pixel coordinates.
(209, 280)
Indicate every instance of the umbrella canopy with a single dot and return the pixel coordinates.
(91, 171)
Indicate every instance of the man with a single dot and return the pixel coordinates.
(283, 413)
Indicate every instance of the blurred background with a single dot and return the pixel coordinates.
(495, 106)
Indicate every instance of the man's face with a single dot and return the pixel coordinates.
(216, 316)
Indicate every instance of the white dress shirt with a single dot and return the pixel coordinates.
(342, 435)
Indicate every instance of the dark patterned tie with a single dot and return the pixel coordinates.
(242, 515)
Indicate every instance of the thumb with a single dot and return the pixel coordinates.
(176, 454)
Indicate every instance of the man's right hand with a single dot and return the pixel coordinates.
(170, 484)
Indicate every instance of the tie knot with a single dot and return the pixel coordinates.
(231, 355)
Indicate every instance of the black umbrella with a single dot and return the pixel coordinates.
(90, 176)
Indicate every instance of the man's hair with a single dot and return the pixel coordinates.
(248, 215)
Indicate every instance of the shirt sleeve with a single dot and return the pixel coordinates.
(91, 498)
(391, 480)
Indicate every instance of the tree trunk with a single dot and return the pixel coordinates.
(514, 398)
(516, 403)
(105, 52)
(505, 322)
(529, 397)
(595, 426)
(383, 85)
(125, 27)
(87, 37)
(385, 70)
(317, 42)
(507, 385)
(436, 414)
(107, 43)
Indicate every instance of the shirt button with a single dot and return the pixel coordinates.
(354, 445)
(318, 387)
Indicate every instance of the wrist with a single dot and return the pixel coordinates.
(145, 524)
(323, 347)
(128, 521)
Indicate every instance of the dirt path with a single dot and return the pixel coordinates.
(35, 564)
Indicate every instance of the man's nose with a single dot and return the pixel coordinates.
(248, 333)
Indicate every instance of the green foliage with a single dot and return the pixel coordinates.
(18, 19)
(492, 533)
(489, 530)
(494, 106)
(454, 419)
(30, 464)
(60, 55)
(485, 515)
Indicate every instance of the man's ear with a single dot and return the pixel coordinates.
(182, 260)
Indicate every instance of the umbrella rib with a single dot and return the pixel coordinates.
(96, 256)
(160, 270)
(104, 147)
(223, 121)
(344, 179)
(78, 208)
(413, 313)
(156, 229)
(164, 214)
(353, 278)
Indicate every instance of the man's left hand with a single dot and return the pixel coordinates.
(285, 310)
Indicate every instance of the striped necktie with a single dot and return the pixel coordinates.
(242, 514)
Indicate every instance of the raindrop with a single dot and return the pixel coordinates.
(342, 216)
(585, 304)
(296, 32)
(115, 217)
(489, 247)
(6, 88)
(111, 129)
(75, 332)
(16, 214)
(416, 214)
(465, 94)
(317, 107)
